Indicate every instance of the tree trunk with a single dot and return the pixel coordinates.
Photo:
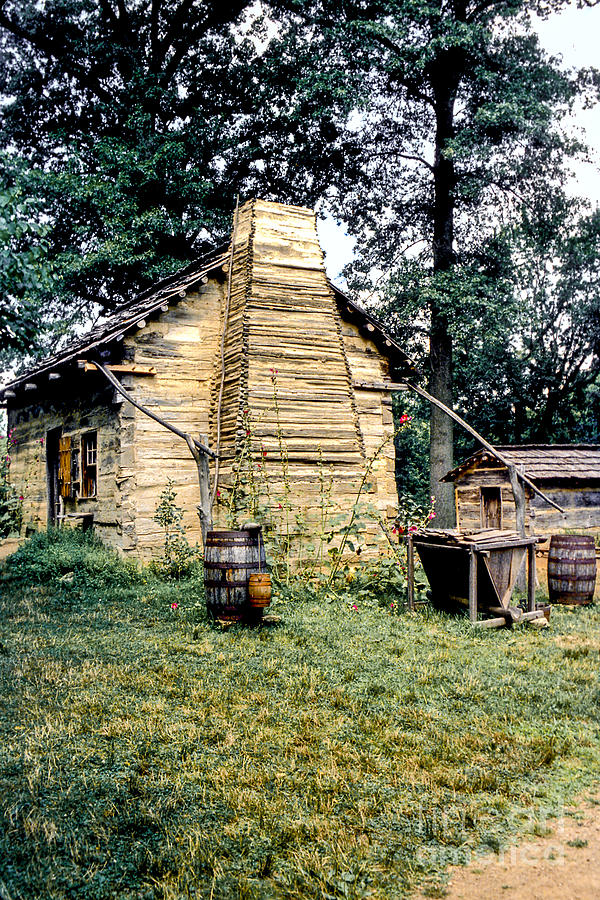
(441, 451)
(441, 425)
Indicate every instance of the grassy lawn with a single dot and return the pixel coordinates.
(345, 753)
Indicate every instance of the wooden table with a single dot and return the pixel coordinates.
(478, 570)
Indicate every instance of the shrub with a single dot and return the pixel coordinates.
(73, 560)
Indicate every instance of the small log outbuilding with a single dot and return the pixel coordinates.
(569, 474)
(251, 338)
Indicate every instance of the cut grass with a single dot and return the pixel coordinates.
(345, 753)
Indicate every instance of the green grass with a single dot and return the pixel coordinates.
(345, 753)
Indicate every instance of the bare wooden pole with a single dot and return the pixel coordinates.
(205, 506)
(519, 495)
(410, 571)
(450, 412)
(199, 450)
(119, 387)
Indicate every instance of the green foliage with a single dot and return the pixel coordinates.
(179, 560)
(141, 128)
(376, 584)
(444, 121)
(24, 270)
(11, 503)
(73, 563)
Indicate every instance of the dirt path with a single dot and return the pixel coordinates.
(565, 865)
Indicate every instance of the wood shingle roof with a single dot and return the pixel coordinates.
(541, 462)
(171, 290)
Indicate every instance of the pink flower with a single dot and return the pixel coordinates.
(20, 496)
(431, 515)
(174, 605)
(218, 494)
(354, 606)
(412, 529)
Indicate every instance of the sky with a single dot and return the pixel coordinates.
(574, 36)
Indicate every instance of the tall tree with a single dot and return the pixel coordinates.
(444, 119)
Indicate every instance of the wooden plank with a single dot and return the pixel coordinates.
(126, 368)
(380, 386)
(472, 586)
(531, 579)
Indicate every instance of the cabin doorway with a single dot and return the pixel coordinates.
(491, 507)
(52, 458)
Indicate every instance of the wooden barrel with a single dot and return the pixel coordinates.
(571, 568)
(229, 559)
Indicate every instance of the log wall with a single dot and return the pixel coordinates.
(376, 421)
(75, 410)
(580, 502)
(182, 345)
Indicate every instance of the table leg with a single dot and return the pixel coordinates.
(531, 577)
(472, 586)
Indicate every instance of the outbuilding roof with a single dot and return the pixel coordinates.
(541, 462)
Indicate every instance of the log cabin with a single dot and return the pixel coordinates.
(253, 349)
(567, 473)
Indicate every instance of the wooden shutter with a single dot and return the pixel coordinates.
(64, 466)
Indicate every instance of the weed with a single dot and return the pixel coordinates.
(11, 503)
(179, 559)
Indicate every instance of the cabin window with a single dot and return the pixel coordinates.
(89, 464)
(78, 466)
(491, 507)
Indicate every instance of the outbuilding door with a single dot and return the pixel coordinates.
(491, 507)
